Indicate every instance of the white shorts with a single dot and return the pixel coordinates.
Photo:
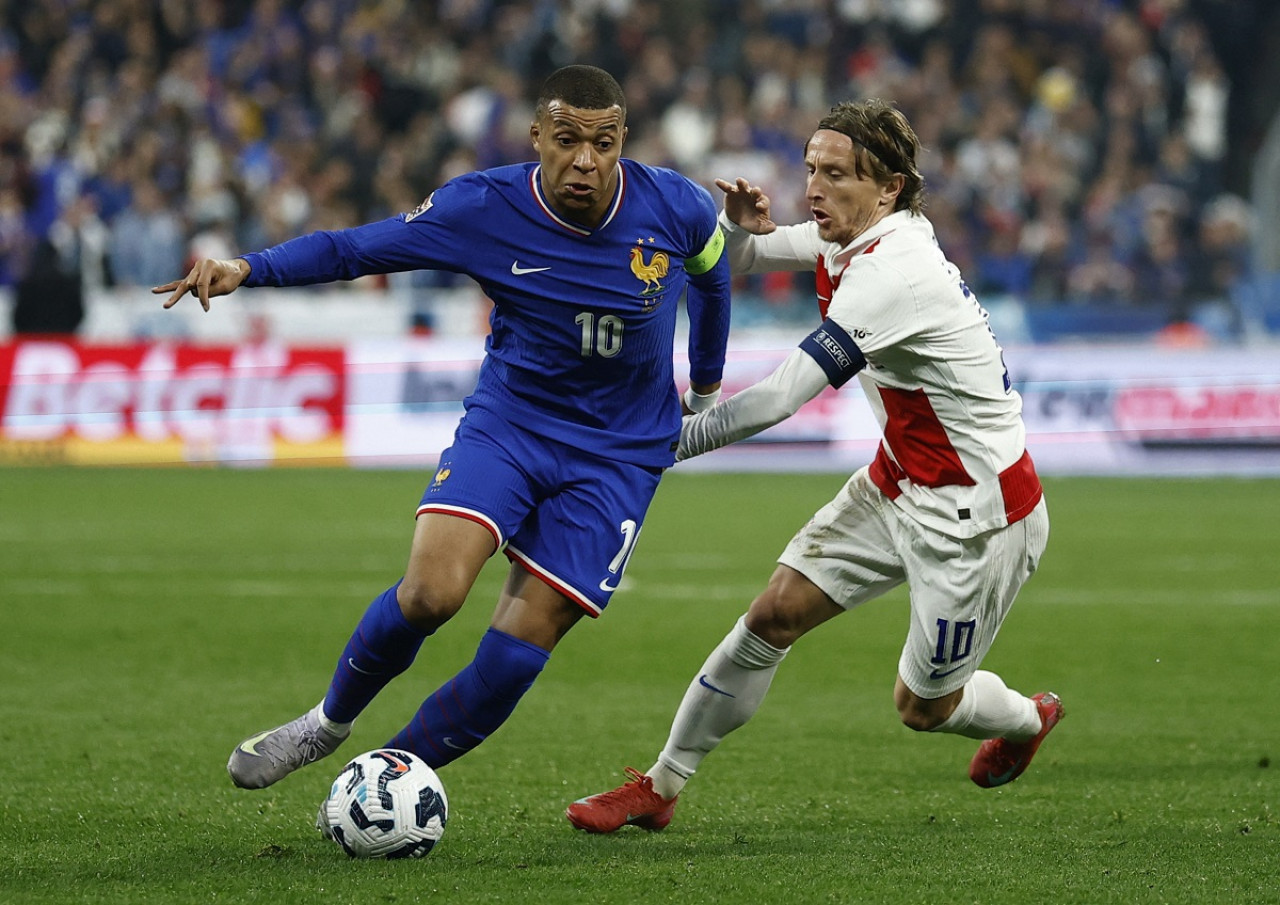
(860, 545)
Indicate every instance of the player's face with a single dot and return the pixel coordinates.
(844, 202)
(579, 151)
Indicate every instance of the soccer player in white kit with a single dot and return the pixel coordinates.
(951, 504)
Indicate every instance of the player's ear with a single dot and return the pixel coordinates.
(534, 134)
(890, 190)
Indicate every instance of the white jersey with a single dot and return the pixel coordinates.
(953, 455)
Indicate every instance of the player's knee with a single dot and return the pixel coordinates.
(920, 720)
(922, 714)
(428, 605)
(773, 620)
(788, 608)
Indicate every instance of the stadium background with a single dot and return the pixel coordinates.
(1103, 172)
(1106, 172)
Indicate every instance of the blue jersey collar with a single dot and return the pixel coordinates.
(535, 185)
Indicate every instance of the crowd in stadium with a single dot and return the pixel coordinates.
(1074, 151)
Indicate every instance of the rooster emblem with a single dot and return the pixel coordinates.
(650, 273)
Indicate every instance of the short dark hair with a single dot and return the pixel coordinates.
(889, 145)
(588, 87)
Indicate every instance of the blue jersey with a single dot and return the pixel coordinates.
(584, 319)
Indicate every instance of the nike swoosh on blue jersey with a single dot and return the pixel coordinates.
(517, 270)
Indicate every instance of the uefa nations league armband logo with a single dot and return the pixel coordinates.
(420, 209)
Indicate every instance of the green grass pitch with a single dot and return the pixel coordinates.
(150, 619)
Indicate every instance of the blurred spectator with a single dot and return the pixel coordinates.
(1222, 254)
(147, 242)
(69, 260)
(1004, 268)
(1160, 266)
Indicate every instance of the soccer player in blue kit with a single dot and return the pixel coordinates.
(574, 417)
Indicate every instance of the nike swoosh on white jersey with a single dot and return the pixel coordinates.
(517, 270)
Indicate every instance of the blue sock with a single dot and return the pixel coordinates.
(465, 710)
(382, 646)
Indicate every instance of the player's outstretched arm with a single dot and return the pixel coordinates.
(762, 405)
(209, 277)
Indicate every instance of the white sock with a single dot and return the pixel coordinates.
(725, 694)
(341, 730)
(989, 709)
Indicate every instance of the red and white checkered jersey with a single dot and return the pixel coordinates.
(953, 454)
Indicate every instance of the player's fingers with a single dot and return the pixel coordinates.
(178, 293)
(167, 287)
(201, 289)
(724, 186)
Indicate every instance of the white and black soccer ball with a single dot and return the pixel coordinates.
(385, 804)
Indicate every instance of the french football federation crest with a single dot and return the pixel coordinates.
(652, 272)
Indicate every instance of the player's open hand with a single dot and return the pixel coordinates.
(747, 205)
(209, 277)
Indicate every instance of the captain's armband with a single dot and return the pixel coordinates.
(835, 352)
(704, 260)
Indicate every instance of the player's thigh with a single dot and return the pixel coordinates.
(447, 555)
(479, 495)
(484, 478)
(847, 549)
(961, 591)
(581, 536)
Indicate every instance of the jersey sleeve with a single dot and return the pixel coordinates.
(786, 248)
(708, 294)
(428, 238)
(774, 399)
(874, 305)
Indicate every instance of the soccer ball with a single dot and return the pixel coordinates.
(385, 804)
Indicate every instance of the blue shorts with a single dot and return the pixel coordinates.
(570, 517)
